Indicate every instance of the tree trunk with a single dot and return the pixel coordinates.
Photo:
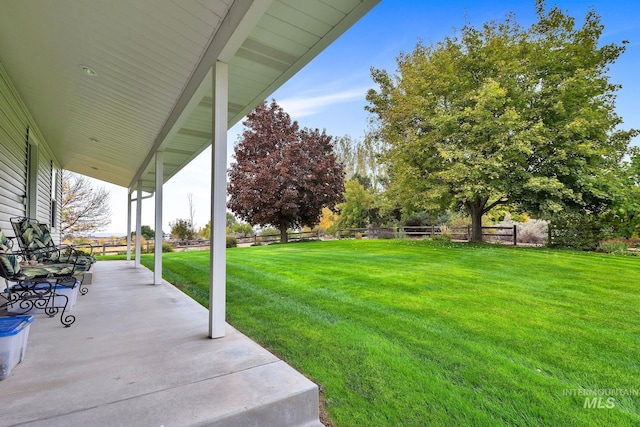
(475, 209)
(284, 237)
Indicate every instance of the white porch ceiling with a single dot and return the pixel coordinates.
(152, 58)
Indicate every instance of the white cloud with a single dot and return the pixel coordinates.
(301, 106)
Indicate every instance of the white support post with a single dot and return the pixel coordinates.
(218, 276)
(157, 270)
(129, 225)
(138, 223)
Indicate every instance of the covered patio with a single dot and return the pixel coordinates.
(139, 354)
(129, 92)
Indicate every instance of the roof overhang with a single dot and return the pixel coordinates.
(152, 61)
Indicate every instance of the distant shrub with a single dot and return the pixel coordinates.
(444, 238)
(445, 233)
(232, 242)
(166, 247)
(634, 241)
(461, 220)
(615, 247)
(320, 232)
(386, 234)
(358, 236)
(441, 237)
(417, 222)
(534, 231)
(576, 231)
(268, 231)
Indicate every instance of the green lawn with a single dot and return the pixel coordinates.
(404, 333)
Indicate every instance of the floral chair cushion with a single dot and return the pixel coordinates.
(37, 243)
(45, 271)
(31, 234)
(10, 263)
(14, 271)
(34, 242)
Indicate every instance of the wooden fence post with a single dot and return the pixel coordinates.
(515, 236)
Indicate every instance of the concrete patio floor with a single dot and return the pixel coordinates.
(139, 355)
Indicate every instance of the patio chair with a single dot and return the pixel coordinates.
(36, 243)
(32, 287)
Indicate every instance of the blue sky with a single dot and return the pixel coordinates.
(329, 93)
(343, 70)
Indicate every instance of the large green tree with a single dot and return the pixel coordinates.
(623, 216)
(355, 211)
(503, 115)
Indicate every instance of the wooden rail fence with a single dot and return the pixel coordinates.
(147, 247)
(272, 238)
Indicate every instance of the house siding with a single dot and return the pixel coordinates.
(16, 126)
